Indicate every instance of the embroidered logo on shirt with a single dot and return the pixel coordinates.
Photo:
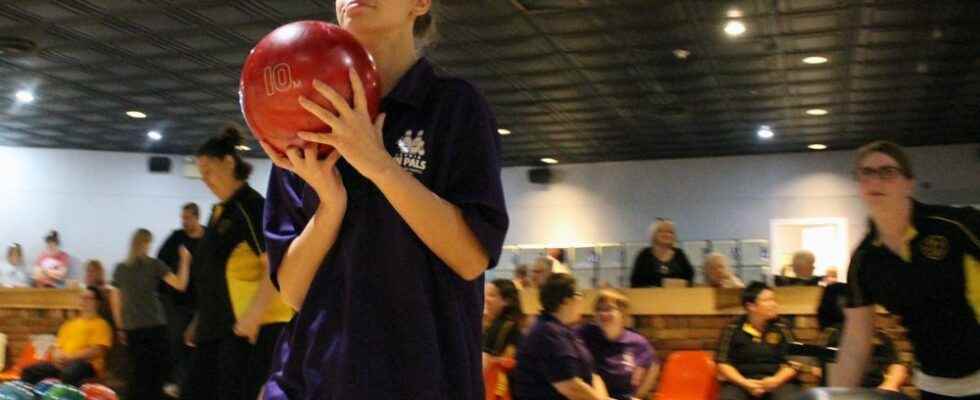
(629, 361)
(411, 152)
(935, 247)
(773, 338)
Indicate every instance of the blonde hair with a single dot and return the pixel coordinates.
(608, 296)
(803, 256)
(138, 246)
(718, 258)
(657, 226)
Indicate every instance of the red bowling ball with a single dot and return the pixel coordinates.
(282, 67)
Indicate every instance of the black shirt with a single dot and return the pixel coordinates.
(754, 354)
(551, 353)
(649, 271)
(934, 287)
(233, 222)
(883, 355)
(170, 254)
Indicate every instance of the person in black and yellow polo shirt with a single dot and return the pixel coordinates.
(919, 261)
(238, 313)
(753, 348)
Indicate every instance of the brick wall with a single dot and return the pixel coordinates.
(682, 332)
(19, 324)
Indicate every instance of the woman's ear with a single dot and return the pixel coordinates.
(422, 7)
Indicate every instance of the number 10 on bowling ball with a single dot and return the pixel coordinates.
(282, 67)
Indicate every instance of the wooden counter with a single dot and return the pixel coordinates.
(693, 301)
(26, 312)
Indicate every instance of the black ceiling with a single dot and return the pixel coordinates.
(576, 80)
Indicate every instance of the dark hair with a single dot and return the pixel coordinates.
(52, 238)
(78, 373)
(225, 145)
(831, 309)
(889, 149)
(97, 293)
(425, 29)
(555, 290)
(751, 292)
(193, 208)
(520, 271)
(508, 291)
(38, 372)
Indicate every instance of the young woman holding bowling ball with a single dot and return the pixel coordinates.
(381, 246)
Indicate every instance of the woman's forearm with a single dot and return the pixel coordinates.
(306, 253)
(451, 238)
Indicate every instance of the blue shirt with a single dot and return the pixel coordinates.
(384, 318)
(617, 360)
(550, 353)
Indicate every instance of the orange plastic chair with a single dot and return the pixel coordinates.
(688, 375)
(27, 357)
(491, 377)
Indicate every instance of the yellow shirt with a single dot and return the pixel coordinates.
(81, 333)
(244, 273)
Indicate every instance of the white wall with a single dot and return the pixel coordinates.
(94, 199)
(715, 198)
(97, 199)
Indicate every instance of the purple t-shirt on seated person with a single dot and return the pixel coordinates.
(616, 360)
(384, 317)
(550, 353)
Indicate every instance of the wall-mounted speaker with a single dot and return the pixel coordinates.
(541, 176)
(160, 165)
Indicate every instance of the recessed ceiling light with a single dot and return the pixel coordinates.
(817, 146)
(765, 132)
(816, 111)
(135, 114)
(734, 28)
(154, 135)
(503, 131)
(681, 54)
(24, 96)
(243, 147)
(549, 160)
(815, 60)
(734, 13)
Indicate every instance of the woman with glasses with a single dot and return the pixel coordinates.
(919, 261)
(553, 362)
(624, 359)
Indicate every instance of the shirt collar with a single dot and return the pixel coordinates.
(413, 87)
(910, 233)
(748, 328)
(239, 194)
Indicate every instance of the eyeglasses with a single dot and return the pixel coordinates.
(607, 309)
(886, 173)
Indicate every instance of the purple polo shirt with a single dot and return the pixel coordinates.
(384, 317)
(550, 353)
(616, 360)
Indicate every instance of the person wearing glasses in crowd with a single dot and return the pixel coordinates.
(919, 261)
(553, 362)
